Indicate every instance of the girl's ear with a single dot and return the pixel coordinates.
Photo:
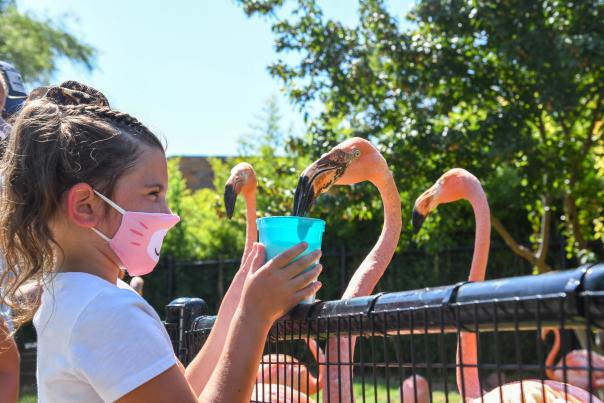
(83, 207)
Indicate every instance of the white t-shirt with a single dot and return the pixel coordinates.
(96, 341)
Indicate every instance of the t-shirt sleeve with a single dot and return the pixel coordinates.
(118, 343)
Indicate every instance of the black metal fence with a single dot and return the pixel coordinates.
(409, 269)
(406, 343)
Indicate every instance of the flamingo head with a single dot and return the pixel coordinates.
(451, 186)
(352, 161)
(545, 331)
(242, 180)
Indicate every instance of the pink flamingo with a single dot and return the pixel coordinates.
(454, 185)
(243, 181)
(352, 161)
(575, 359)
(271, 393)
(291, 372)
(415, 389)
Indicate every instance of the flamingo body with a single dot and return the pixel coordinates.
(533, 391)
(576, 362)
(415, 392)
(269, 393)
(288, 371)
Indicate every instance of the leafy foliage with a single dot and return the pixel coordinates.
(511, 90)
(34, 45)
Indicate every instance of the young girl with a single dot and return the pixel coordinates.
(85, 197)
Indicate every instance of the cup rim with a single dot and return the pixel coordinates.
(291, 217)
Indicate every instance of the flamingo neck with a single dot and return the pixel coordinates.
(482, 235)
(251, 230)
(469, 341)
(551, 357)
(373, 266)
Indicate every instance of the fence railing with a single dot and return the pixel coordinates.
(413, 336)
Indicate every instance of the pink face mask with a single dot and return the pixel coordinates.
(138, 239)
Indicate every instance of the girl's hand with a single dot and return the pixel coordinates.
(274, 288)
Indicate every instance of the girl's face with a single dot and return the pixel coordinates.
(142, 188)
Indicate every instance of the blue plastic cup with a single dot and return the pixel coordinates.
(281, 233)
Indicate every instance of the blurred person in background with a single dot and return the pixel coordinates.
(12, 95)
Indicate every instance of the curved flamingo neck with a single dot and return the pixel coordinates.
(469, 341)
(551, 357)
(251, 230)
(375, 263)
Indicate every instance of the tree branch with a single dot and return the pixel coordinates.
(546, 224)
(518, 249)
(570, 207)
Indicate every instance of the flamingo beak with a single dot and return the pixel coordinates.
(230, 197)
(418, 220)
(306, 192)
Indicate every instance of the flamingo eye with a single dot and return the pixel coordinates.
(356, 153)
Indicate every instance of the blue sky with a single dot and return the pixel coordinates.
(194, 71)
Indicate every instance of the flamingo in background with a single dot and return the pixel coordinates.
(454, 185)
(290, 371)
(575, 359)
(415, 389)
(243, 180)
(352, 161)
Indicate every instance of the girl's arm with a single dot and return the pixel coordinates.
(9, 366)
(234, 375)
(198, 372)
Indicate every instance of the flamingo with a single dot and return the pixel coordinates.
(243, 181)
(291, 372)
(454, 185)
(576, 359)
(270, 393)
(352, 161)
(415, 389)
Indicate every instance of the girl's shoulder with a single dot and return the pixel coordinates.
(72, 298)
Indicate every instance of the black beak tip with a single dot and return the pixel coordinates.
(230, 197)
(418, 220)
(301, 196)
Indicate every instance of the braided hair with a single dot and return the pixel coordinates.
(64, 135)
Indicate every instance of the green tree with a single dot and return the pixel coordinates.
(511, 90)
(34, 45)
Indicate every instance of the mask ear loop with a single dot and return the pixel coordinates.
(112, 204)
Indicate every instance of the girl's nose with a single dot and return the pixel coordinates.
(164, 208)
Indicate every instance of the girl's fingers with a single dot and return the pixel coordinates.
(302, 280)
(297, 267)
(284, 258)
(258, 259)
(307, 291)
(248, 259)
